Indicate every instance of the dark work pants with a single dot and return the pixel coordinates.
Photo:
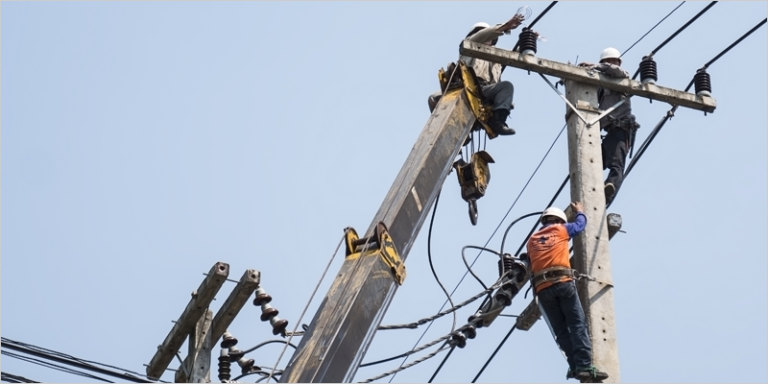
(615, 147)
(562, 307)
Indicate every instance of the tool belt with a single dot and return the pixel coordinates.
(550, 275)
(627, 123)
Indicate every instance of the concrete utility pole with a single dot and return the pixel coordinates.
(591, 252)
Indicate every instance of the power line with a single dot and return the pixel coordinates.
(11, 378)
(657, 49)
(69, 360)
(650, 30)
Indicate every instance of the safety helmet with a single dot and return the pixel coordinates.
(554, 211)
(481, 25)
(610, 53)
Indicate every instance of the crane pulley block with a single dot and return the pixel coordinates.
(381, 245)
(473, 179)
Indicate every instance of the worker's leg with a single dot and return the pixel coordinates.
(550, 301)
(501, 93)
(576, 324)
(433, 100)
(614, 156)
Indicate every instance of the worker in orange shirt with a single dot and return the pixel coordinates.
(553, 282)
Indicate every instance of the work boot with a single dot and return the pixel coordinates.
(498, 122)
(570, 374)
(610, 190)
(590, 375)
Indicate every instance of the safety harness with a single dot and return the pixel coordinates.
(551, 274)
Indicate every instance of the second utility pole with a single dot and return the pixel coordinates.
(590, 249)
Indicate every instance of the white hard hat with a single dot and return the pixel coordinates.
(610, 53)
(481, 25)
(554, 211)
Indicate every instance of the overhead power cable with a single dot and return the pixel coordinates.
(63, 358)
(694, 18)
(11, 378)
(652, 28)
(671, 112)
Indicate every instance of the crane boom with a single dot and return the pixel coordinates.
(343, 327)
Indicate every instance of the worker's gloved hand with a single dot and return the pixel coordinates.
(577, 207)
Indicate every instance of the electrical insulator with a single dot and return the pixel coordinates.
(235, 354)
(702, 83)
(648, 73)
(228, 340)
(268, 312)
(459, 340)
(261, 297)
(224, 365)
(247, 365)
(528, 42)
(278, 325)
(470, 332)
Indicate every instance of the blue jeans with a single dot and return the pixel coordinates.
(562, 307)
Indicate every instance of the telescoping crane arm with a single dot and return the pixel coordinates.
(343, 327)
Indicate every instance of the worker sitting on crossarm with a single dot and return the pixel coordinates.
(556, 290)
(489, 74)
(620, 124)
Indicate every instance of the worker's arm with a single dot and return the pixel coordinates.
(612, 70)
(487, 34)
(578, 225)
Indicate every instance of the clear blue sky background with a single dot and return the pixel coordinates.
(144, 141)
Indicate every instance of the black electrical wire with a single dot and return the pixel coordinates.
(66, 359)
(671, 112)
(429, 256)
(735, 43)
(504, 239)
(544, 12)
(536, 20)
(548, 205)
(650, 30)
(677, 32)
(439, 367)
(247, 351)
(11, 378)
(494, 353)
(703, 11)
(56, 367)
(492, 234)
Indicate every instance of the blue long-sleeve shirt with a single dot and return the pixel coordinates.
(577, 226)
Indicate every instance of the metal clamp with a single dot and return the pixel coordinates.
(380, 244)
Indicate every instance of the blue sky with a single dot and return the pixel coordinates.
(142, 142)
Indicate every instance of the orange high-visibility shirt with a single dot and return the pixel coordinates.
(549, 248)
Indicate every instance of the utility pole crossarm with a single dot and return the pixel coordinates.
(196, 307)
(582, 75)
